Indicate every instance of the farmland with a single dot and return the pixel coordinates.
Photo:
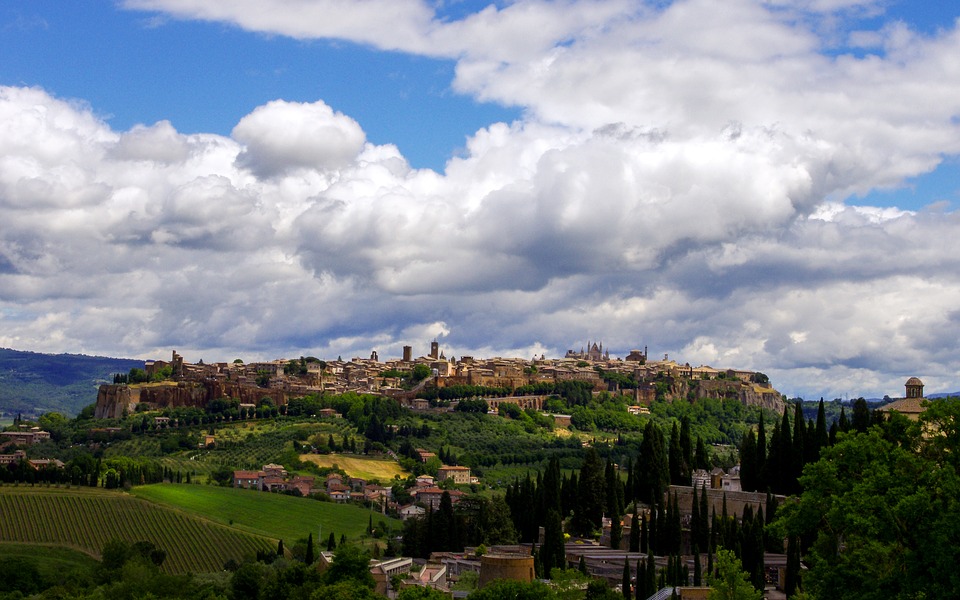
(357, 466)
(52, 562)
(260, 513)
(84, 519)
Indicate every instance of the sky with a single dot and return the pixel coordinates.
(759, 184)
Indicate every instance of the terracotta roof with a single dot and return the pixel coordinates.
(905, 406)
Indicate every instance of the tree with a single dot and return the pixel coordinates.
(881, 513)
(309, 558)
(625, 579)
(552, 552)
(731, 582)
(502, 589)
(861, 415)
(588, 514)
(417, 592)
(350, 564)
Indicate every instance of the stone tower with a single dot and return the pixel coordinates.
(914, 388)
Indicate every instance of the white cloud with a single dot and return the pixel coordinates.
(681, 180)
(285, 135)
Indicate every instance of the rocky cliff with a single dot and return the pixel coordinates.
(114, 400)
(750, 394)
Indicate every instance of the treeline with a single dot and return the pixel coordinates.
(879, 514)
(85, 470)
(475, 520)
(794, 443)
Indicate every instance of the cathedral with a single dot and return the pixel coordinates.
(594, 352)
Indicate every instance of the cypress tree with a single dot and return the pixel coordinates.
(309, 556)
(653, 537)
(625, 580)
(798, 446)
(635, 531)
(588, 514)
(842, 424)
(583, 565)
(748, 462)
(704, 517)
(697, 569)
(331, 543)
(702, 459)
(695, 524)
(786, 458)
(653, 472)
(641, 582)
(861, 416)
(761, 461)
(280, 548)
(793, 567)
(644, 535)
(675, 457)
(686, 449)
(552, 552)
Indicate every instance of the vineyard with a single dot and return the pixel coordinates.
(86, 518)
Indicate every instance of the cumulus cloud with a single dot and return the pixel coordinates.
(683, 178)
(286, 135)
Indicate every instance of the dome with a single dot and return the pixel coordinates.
(914, 381)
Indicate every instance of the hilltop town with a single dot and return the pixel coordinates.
(415, 380)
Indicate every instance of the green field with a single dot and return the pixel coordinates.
(271, 515)
(54, 562)
(84, 519)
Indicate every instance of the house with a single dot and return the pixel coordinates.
(34, 435)
(700, 478)
(43, 463)
(328, 413)
(411, 510)
(302, 485)
(7, 459)
(431, 496)
(424, 455)
(457, 474)
(247, 479)
(425, 481)
(339, 495)
(206, 441)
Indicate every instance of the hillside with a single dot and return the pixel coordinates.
(32, 383)
(86, 518)
(271, 515)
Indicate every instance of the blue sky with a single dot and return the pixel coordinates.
(134, 67)
(766, 184)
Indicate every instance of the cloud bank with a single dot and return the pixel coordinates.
(685, 177)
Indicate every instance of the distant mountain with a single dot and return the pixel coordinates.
(32, 383)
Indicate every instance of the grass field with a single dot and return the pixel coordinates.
(272, 515)
(84, 519)
(358, 466)
(53, 562)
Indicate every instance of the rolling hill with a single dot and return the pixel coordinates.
(32, 383)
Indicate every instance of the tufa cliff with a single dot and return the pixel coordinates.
(115, 400)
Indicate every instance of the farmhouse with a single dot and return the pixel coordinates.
(34, 435)
(457, 474)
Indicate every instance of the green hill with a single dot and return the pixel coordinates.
(85, 519)
(32, 383)
(271, 515)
